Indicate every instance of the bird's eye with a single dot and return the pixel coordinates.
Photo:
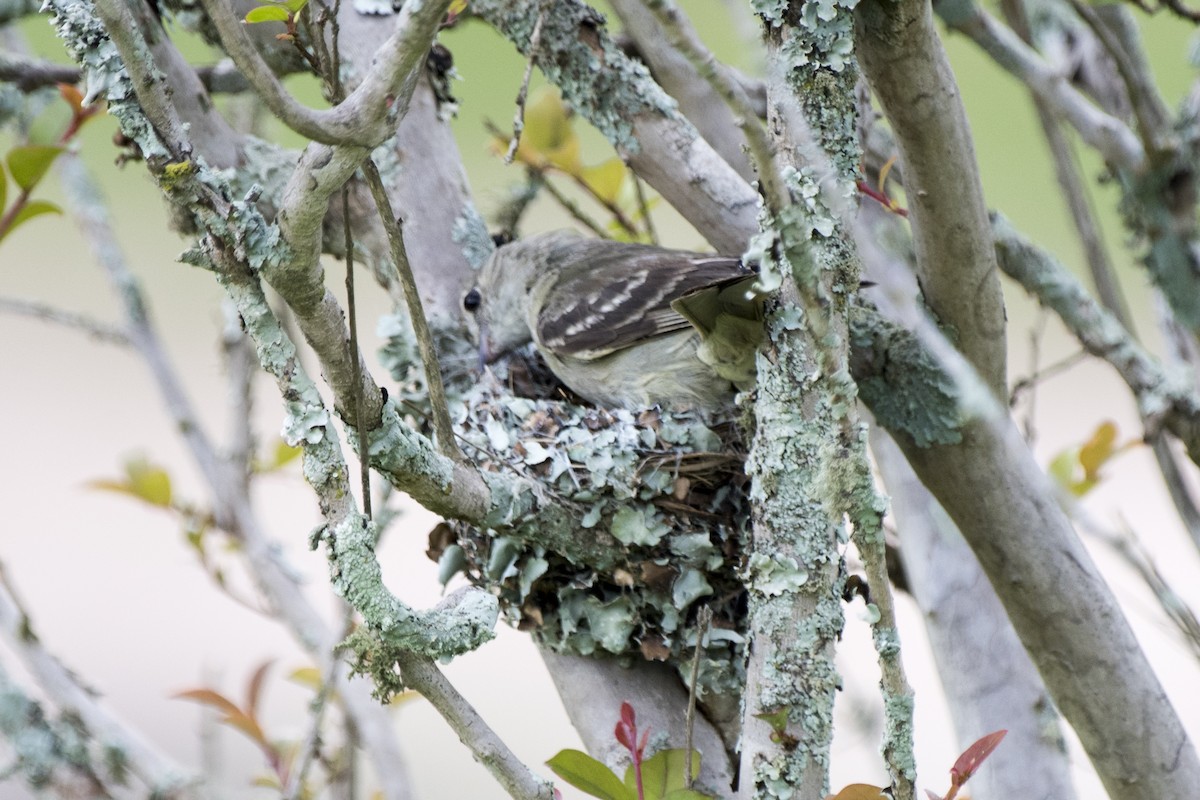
(472, 300)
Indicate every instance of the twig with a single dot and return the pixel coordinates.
(1126, 544)
(101, 331)
(1037, 376)
(703, 620)
(360, 418)
(535, 41)
(422, 675)
(1031, 383)
(1107, 134)
(574, 209)
(644, 207)
(241, 366)
(1153, 118)
(442, 426)
(312, 741)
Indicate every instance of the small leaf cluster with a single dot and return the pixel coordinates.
(663, 776)
(966, 766)
(1078, 469)
(27, 165)
(550, 144)
(285, 11)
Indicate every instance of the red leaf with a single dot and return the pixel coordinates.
(973, 756)
(628, 716)
(626, 730)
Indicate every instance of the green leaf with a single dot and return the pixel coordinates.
(143, 480)
(606, 180)
(267, 14)
(28, 163)
(589, 775)
(34, 208)
(662, 773)
(295, 6)
(282, 455)
(3, 190)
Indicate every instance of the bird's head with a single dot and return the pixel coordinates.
(498, 305)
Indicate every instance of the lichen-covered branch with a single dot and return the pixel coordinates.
(1166, 401)
(973, 642)
(88, 740)
(979, 468)
(225, 479)
(637, 117)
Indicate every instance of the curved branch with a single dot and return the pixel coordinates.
(1165, 400)
(367, 116)
(981, 471)
(1108, 135)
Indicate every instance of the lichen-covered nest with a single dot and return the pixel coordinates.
(669, 489)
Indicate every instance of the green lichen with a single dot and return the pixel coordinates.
(906, 388)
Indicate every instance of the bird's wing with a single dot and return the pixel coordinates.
(604, 306)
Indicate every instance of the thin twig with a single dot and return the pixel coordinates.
(1037, 376)
(442, 427)
(643, 206)
(535, 41)
(1035, 355)
(573, 208)
(100, 331)
(360, 421)
(311, 746)
(703, 620)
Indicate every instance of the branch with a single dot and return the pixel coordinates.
(973, 642)
(618, 97)
(367, 116)
(1165, 400)
(100, 331)
(676, 73)
(1108, 135)
(160, 775)
(29, 74)
(907, 68)
(974, 461)
(420, 673)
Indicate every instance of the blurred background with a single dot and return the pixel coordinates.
(117, 592)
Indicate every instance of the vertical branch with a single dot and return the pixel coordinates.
(442, 427)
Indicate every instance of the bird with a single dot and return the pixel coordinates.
(623, 325)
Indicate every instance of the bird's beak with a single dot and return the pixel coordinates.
(485, 349)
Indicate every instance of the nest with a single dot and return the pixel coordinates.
(668, 488)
